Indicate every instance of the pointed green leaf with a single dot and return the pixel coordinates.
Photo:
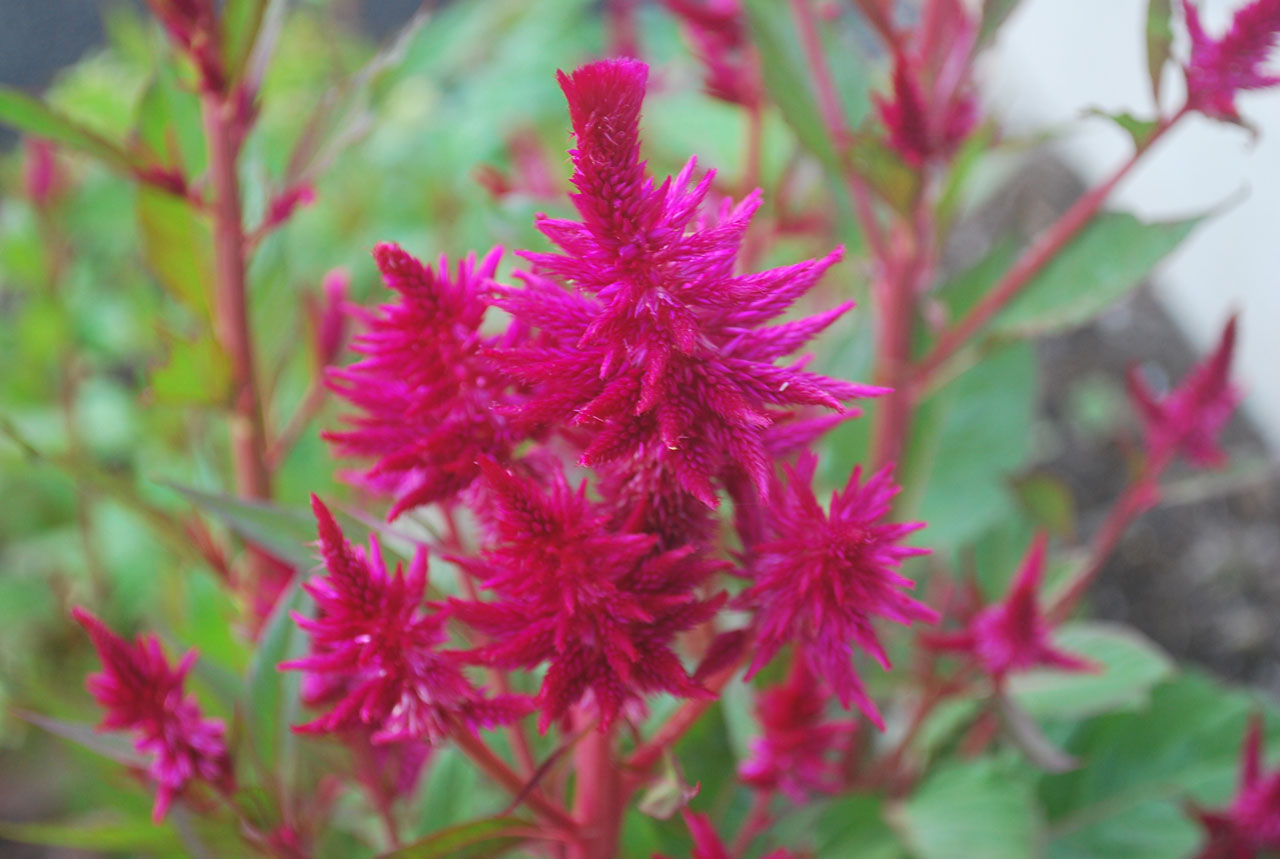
(116, 836)
(274, 701)
(114, 746)
(34, 117)
(475, 840)
(970, 810)
(994, 14)
(196, 372)
(177, 245)
(1159, 42)
(1140, 130)
(287, 534)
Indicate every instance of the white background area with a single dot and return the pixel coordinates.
(1054, 59)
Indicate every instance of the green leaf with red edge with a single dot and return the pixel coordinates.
(98, 833)
(1159, 42)
(177, 246)
(33, 117)
(285, 533)
(478, 839)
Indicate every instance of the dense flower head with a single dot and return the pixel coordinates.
(600, 605)
(143, 693)
(1219, 68)
(381, 651)
(719, 34)
(427, 389)
(798, 751)
(1189, 419)
(646, 340)
(1251, 824)
(1013, 635)
(820, 577)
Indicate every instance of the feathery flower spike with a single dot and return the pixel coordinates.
(1251, 823)
(601, 606)
(1012, 635)
(1219, 68)
(142, 693)
(373, 640)
(822, 576)
(645, 338)
(1189, 419)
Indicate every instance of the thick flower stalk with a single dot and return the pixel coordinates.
(647, 342)
(427, 389)
(821, 577)
(1013, 635)
(1220, 68)
(600, 606)
(377, 653)
(142, 693)
(1250, 826)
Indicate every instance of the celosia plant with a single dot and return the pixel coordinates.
(605, 608)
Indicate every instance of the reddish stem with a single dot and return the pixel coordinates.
(597, 795)
(512, 782)
(650, 752)
(758, 821)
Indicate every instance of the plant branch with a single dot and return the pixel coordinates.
(511, 781)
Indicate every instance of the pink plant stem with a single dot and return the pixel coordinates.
(758, 821)
(511, 781)
(1032, 262)
(597, 795)
(650, 752)
(310, 406)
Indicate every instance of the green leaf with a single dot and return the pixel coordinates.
(855, 826)
(241, 20)
(113, 746)
(1047, 499)
(31, 116)
(116, 836)
(273, 695)
(970, 810)
(1141, 130)
(177, 245)
(1111, 256)
(195, 372)
(475, 840)
(287, 534)
(994, 14)
(1159, 41)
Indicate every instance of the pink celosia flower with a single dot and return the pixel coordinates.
(283, 205)
(656, 352)
(820, 577)
(428, 392)
(372, 636)
(795, 752)
(193, 26)
(1219, 68)
(719, 36)
(707, 843)
(1188, 419)
(1251, 824)
(329, 317)
(42, 178)
(1013, 635)
(142, 693)
(601, 606)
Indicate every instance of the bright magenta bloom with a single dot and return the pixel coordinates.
(797, 753)
(1220, 68)
(656, 350)
(1013, 635)
(1188, 419)
(372, 638)
(821, 577)
(719, 36)
(1251, 824)
(600, 605)
(427, 389)
(142, 693)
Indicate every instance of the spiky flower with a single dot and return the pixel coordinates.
(381, 649)
(719, 35)
(1219, 68)
(141, 692)
(1251, 824)
(428, 392)
(821, 577)
(647, 341)
(1013, 635)
(797, 753)
(1189, 419)
(599, 605)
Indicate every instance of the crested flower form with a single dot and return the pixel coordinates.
(1189, 419)
(1013, 635)
(933, 108)
(1251, 824)
(719, 36)
(657, 351)
(601, 606)
(1219, 68)
(796, 753)
(821, 577)
(142, 692)
(372, 638)
(707, 843)
(427, 390)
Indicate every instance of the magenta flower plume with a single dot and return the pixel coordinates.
(645, 338)
(142, 693)
(920, 131)
(1013, 635)
(798, 751)
(1251, 824)
(707, 843)
(821, 577)
(601, 606)
(1219, 68)
(427, 390)
(373, 639)
(719, 36)
(1189, 419)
